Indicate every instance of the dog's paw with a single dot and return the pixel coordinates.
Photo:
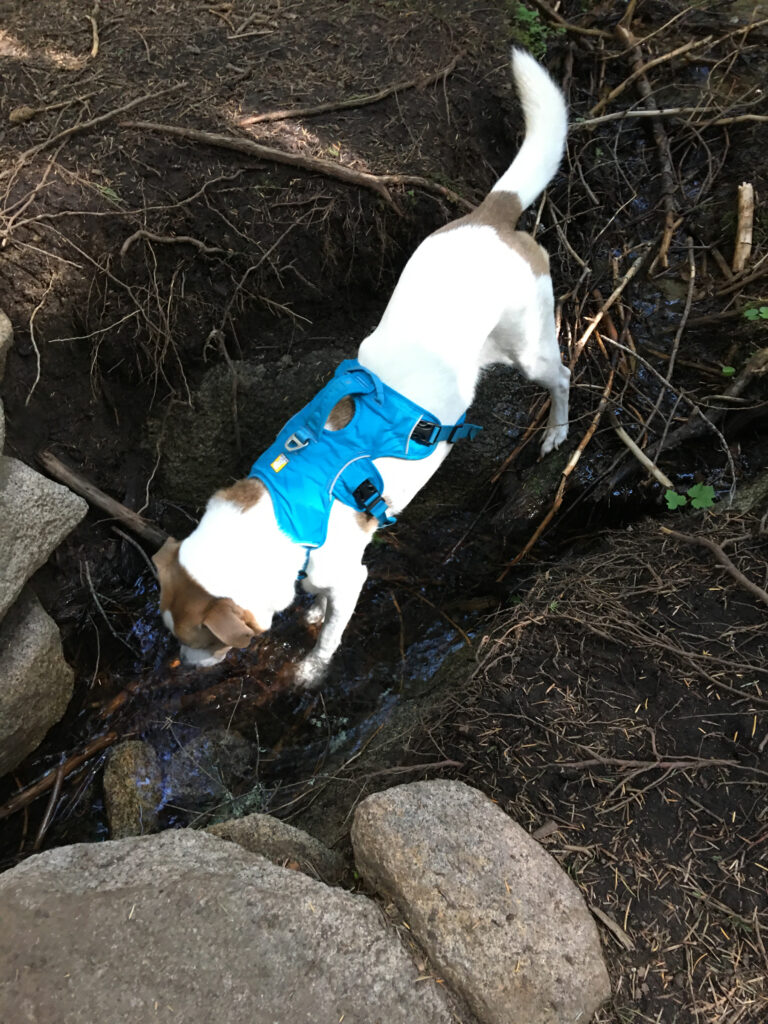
(553, 438)
(310, 672)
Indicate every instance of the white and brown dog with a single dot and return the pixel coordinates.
(474, 293)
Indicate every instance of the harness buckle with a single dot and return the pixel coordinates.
(369, 500)
(425, 432)
(295, 444)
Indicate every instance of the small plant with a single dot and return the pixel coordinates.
(728, 371)
(701, 495)
(529, 30)
(756, 313)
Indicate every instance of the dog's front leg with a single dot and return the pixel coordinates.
(340, 599)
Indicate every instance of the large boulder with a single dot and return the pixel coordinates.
(186, 927)
(35, 681)
(498, 917)
(36, 514)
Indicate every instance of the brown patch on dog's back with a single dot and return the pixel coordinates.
(341, 414)
(501, 211)
(243, 493)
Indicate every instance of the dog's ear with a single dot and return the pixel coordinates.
(166, 554)
(227, 622)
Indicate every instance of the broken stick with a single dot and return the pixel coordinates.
(639, 454)
(743, 247)
(77, 483)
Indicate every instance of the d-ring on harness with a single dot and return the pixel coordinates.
(308, 466)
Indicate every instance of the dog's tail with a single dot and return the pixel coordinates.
(546, 126)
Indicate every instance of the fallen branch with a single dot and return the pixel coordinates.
(45, 824)
(699, 425)
(746, 215)
(569, 468)
(676, 340)
(317, 165)
(94, 52)
(613, 927)
(85, 126)
(639, 454)
(24, 113)
(207, 250)
(668, 183)
(626, 115)
(603, 311)
(130, 519)
(60, 772)
(643, 69)
(723, 559)
(358, 101)
(568, 26)
(682, 763)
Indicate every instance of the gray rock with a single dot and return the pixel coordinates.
(132, 789)
(36, 514)
(282, 844)
(496, 914)
(6, 340)
(205, 769)
(35, 681)
(186, 927)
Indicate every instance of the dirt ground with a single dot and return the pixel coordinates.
(615, 703)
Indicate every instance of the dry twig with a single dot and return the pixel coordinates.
(422, 81)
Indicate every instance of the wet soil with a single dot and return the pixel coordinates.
(159, 368)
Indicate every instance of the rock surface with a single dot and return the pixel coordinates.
(6, 340)
(206, 767)
(282, 844)
(186, 927)
(132, 789)
(200, 453)
(36, 514)
(499, 918)
(35, 681)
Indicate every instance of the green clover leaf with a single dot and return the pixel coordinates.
(674, 500)
(701, 495)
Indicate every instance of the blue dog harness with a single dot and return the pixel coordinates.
(308, 466)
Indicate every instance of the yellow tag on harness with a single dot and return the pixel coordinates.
(279, 463)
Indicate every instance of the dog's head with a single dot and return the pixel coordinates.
(206, 626)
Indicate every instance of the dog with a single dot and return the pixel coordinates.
(474, 293)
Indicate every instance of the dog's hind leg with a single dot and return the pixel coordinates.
(528, 341)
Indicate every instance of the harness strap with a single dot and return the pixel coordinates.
(428, 433)
(349, 380)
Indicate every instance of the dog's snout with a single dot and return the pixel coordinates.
(194, 657)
